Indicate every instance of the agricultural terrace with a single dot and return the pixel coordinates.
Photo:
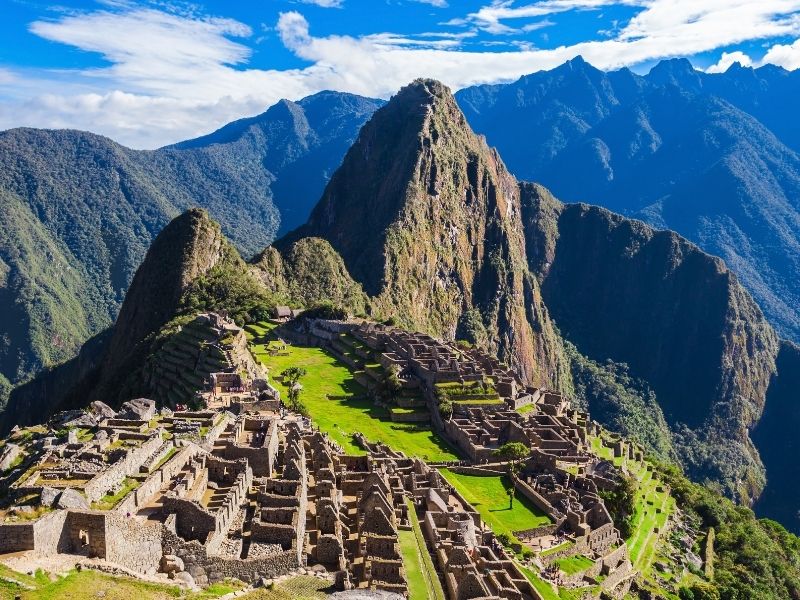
(652, 510)
(489, 497)
(337, 404)
(90, 585)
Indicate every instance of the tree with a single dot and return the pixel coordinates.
(446, 409)
(513, 453)
(292, 375)
(294, 402)
(393, 382)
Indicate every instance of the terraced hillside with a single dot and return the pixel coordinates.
(188, 356)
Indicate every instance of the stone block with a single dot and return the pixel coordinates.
(184, 577)
(71, 498)
(48, 496)
(171, 564)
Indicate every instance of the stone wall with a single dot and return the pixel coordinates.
(106, 480)
(16, 537)
(49, 533)
(538, 500)
(86, 532)
(160, 477)
(217, 568)
(133, 542)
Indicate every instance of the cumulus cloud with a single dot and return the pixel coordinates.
(729, 58)
(783, 55)
(174, 76)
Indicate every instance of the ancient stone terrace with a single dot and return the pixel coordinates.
(254, 437)
(205, 497)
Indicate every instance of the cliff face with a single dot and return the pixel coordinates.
(309, 272)
(681, 321)
(427, 218)
(777, 441)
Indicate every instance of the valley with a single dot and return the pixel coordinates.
(444, 382)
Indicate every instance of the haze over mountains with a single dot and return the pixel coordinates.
(657, 337)
(711, 156)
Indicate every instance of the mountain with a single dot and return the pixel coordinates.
(776, 438)
(190, 267)
(80, 211)
(427, 218)
(713, 157)
(300, 144)
(444, 239)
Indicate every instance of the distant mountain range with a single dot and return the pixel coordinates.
(657, 337)
(713, 157)
(79, 211)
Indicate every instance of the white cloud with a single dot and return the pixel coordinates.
(172, 76)
(783, 55)
(325, 3)
(490, 18)
(727, 59)
(436, 3)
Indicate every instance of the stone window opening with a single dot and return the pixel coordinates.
(83, 537)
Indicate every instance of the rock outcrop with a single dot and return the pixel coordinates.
(427, 218)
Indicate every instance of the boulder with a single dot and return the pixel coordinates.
(196, 571)
(184, 577)
(8, 455)
(48, 496)
(71, 498)
(102, 410)
(171, 564)
(141, 409)
(85, 421)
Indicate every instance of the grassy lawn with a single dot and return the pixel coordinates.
(546, 590)
(412, 561)
(109, 501)
(338, 405)
(297, 588)
(89, 585)
(488, 496)
(574, 564)
(524, 410)
(423, 581)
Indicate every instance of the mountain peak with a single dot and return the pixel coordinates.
(675, 71)
(190, 245)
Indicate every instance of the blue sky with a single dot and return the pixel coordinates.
(148, 73)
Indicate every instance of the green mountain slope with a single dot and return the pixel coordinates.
(443, 238)
(80, 212)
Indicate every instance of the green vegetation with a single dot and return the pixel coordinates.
(489, 497)
(423, 581)
(90, 585)
(754, 559)
(574, 564)
(513, 453)
(620, 402)
(339, 406)
(109, 501)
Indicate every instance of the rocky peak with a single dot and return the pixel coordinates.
(427, 218)
(189, 246)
